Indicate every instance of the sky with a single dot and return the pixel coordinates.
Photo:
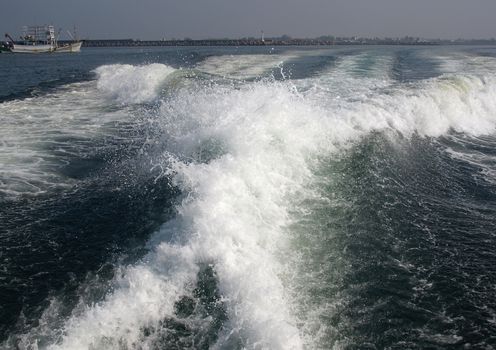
(200, 19)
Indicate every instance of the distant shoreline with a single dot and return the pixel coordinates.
(281, 42)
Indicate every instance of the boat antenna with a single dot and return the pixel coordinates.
(9, 37)
(70, 34)
(57, 37)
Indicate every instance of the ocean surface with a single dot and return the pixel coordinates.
(248, 198)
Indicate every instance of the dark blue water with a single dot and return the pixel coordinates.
(248, 198)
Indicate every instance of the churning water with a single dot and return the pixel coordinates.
(250, 198)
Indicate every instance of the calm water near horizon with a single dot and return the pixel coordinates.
(248, 198)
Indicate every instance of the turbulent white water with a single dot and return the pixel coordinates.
(244, 67)
(242, 158)
(132, 84)
(66, 122)
(39, 134)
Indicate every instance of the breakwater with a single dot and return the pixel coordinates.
(246, 42)
(284, 41)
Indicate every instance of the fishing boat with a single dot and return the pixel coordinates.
(74, 46)
(71, 47)
(40, 39)
(4, 47)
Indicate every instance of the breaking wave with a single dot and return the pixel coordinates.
(242, 157)
(132, 84)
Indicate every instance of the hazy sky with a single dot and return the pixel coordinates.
(156, 19)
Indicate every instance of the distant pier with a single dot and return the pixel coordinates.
(220, 42)
(281, 42)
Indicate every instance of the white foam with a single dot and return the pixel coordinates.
(485, 162)
(464, 63)
(132, 84)
(243, 66)
(33, 127)
(353, 77)
(234, 219)
(143, 295)
(433, 108)
(40, 135)
(236, 211)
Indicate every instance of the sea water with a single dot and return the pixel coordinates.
(248, 198)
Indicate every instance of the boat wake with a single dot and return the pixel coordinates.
(223, 273)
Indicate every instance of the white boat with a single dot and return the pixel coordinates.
(40, 39)
(72, 47)
(16, 48)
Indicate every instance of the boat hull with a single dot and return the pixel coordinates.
(16, 48)
(73, 47)
(30, 49)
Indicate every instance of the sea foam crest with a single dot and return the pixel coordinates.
(236, 211)
(233, 219)
(132, 84)
(434, 108)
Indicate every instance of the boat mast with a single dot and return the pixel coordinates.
(9, 37)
